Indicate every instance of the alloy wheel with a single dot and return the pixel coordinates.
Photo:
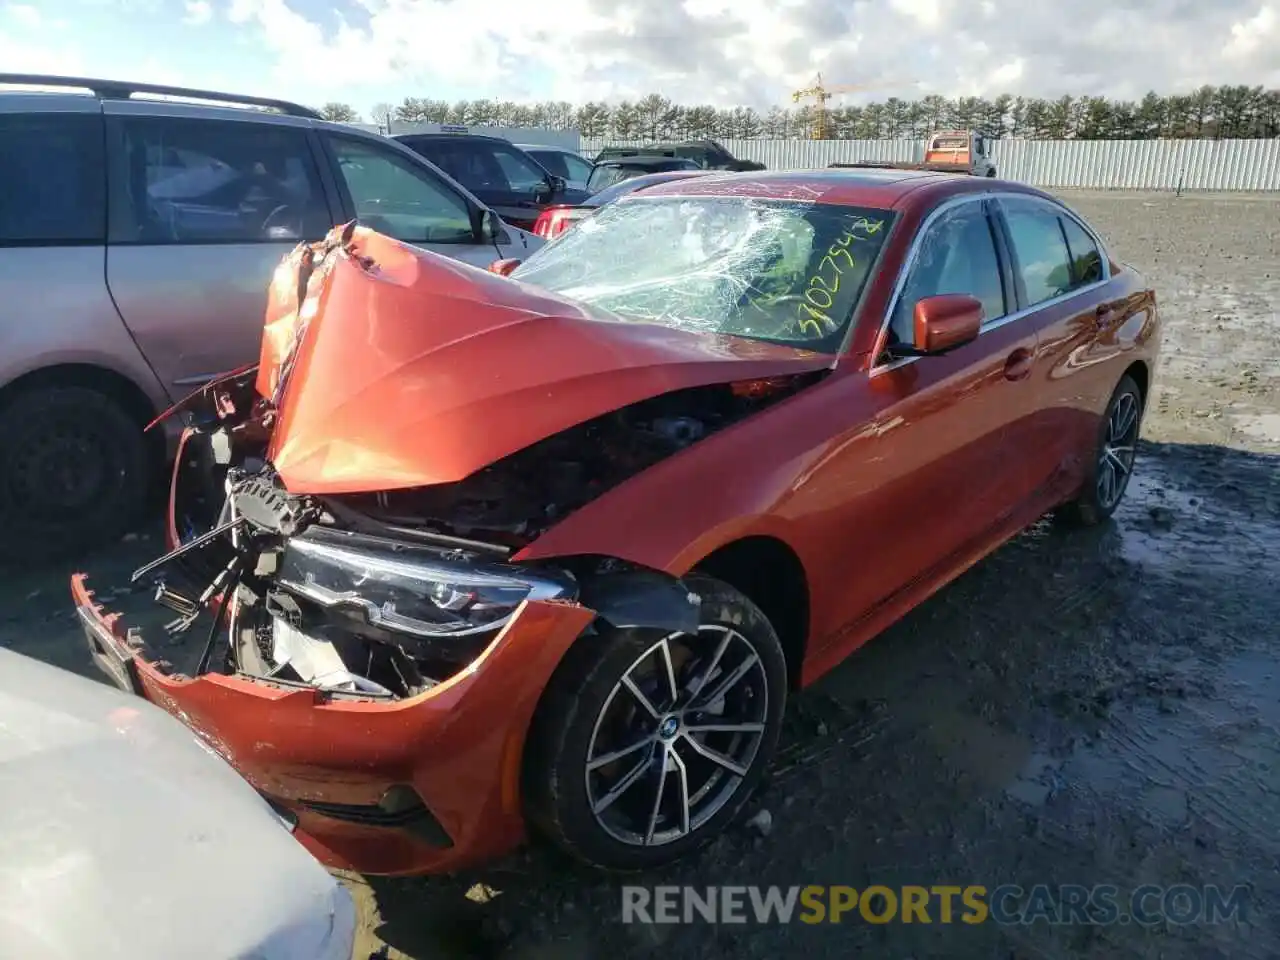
(1115, 461)
(676, 736)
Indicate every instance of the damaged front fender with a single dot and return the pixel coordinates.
(638, 598)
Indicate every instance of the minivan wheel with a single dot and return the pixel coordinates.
(74, 472)
(647, 744)
(1112, 461)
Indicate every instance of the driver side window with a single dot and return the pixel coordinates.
(957, 255)
(214, 181)
(395, 197)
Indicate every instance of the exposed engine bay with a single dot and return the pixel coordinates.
(385, 595)
(514, 500)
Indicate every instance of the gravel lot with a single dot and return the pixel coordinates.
(1096, 708)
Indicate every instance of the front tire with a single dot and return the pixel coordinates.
(646, 745)
(74, 472)
(1113, 459)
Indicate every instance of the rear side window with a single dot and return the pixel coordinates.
(699, 155)
(605, 176)
(52, 179)
(215, 181)
(1086, 258)
(1040, 250)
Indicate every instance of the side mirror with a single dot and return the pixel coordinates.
(558, 184)
(504, 267)
(945, 322)
(488, 227)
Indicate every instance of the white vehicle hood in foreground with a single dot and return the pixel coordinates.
(123, 836)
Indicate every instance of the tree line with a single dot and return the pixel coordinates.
(1226, 113)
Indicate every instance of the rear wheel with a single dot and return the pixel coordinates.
(1113, 459)
(74, 472)
(647, 745)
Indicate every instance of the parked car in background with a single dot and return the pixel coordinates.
(572, 167)
(608, 172)
(558, 556)
(497, 171)
(707, 154)
(554, 221)
(137, 241)
(125, 837)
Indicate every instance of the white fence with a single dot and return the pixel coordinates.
(1097, 164)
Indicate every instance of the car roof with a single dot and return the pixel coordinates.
(48, 88)
(481, 137)
(876, 188)
(545, 148)
(641, 160)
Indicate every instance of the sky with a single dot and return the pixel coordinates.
(719, 52)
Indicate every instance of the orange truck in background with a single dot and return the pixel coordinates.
(947, 151)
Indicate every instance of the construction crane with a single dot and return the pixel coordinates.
(821, 93)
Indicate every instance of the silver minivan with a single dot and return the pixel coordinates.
(139, 229)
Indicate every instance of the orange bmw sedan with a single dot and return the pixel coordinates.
(548, 547)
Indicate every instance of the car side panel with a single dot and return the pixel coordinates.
(55, 309)
(936, 467)
(1086, 337)
(196, 311)
(1087, 343)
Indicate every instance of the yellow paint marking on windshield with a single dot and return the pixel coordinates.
(818, 297)
(825, 281)
(812, 321)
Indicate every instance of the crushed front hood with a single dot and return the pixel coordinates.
(403, 368)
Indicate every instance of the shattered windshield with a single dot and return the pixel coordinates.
(779, 270)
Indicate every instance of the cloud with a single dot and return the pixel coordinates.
(1256, 33)
(24, 15)
(729, 52)
(20, 56)
(199, 12)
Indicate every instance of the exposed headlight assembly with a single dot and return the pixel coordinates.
(410, 589)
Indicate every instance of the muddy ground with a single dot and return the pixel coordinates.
(1085, 708)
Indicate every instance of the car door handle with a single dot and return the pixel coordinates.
(1017, 366)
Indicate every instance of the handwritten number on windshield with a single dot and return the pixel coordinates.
(813, 319)
(825, 282)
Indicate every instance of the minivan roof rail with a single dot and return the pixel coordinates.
(124, 90)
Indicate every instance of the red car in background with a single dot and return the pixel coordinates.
(552, 550)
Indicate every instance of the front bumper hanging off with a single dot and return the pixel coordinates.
(425, 784)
